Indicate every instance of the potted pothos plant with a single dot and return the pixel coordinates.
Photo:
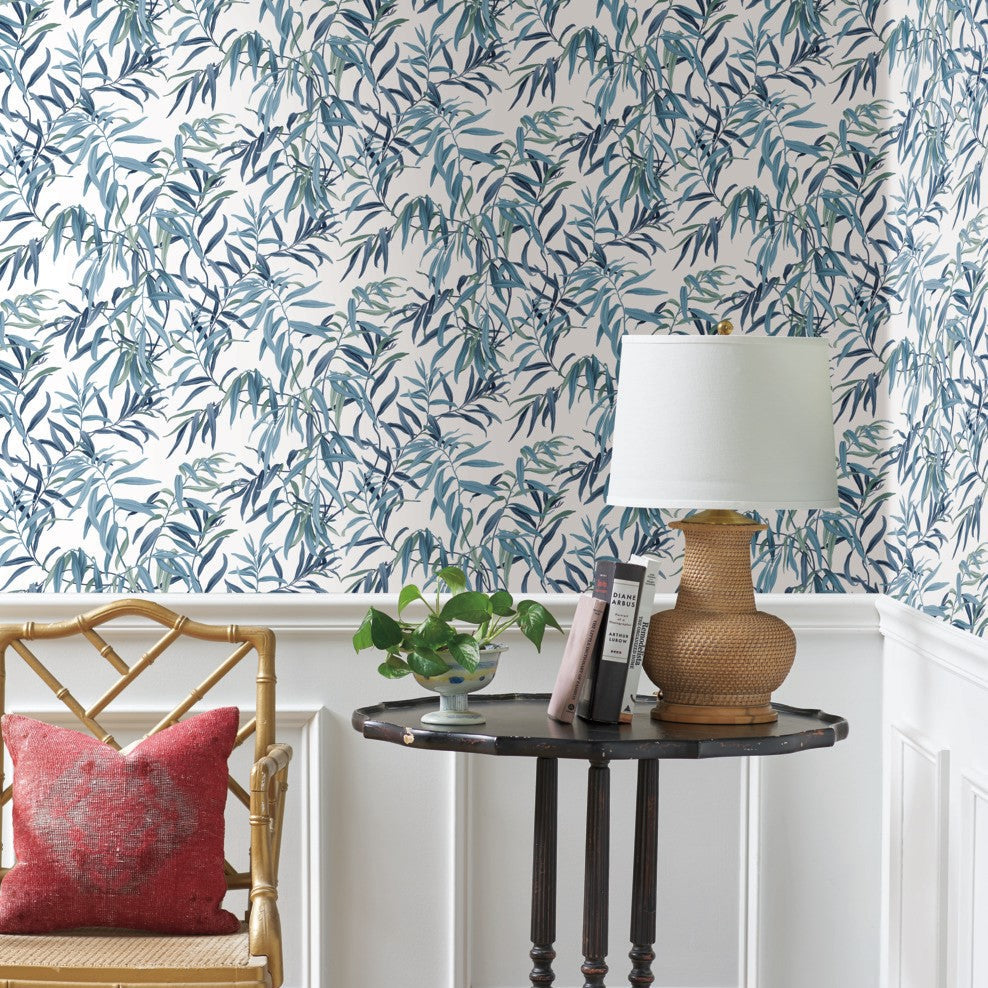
(454, 649)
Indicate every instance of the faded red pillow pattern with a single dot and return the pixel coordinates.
(106, 839)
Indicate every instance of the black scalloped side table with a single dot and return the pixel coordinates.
(517, 724)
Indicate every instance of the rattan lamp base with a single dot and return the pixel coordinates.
(715, 657)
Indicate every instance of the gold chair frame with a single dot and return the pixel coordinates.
(265, 799)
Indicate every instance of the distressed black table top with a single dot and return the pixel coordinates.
(517, 724)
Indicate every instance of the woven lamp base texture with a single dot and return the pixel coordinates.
(715, 658)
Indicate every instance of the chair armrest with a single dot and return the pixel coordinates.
(268, 785)
(275, 760)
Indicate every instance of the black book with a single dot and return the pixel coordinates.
(620, 586)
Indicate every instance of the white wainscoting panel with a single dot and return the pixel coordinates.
(413, 868)
(935, 701)
(918, 828)
(820, 839)
(972, 919)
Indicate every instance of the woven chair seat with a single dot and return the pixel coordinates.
(104, 951)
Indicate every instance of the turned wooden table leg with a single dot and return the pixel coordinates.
(595, 885)
(544, 873)
(646, 866)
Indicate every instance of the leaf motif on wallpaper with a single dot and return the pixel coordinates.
(936, 360)
(308, 297)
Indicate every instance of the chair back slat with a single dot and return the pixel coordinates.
(245, 639)
(62, 693)
(106, 650)
(238, 790)
(130, 674)
(198, 694)
(246, 731)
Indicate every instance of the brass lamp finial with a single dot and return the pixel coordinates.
(725, 327)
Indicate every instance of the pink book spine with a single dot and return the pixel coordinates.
(575, 666)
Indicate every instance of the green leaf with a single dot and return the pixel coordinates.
(379, 630)
(532, 619)
(362, 639)
(432, 634)
(407, 595)
(468, 606)
(550, 620)
(454, 578)
(386, 632)
(527, 605)
(426, 663)
(501, 603)
(393, 668)
(466, 651)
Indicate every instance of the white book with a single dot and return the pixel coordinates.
(646, 604)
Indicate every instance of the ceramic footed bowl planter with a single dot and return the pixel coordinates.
(454, 685)
(450, 644)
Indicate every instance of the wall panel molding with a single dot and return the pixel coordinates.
(460, 873)
(919, 825)
(953, 649)
(935, 693)
(749, 886)
(972, 912)
(341, 613)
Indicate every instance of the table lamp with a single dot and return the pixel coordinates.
(721, 423)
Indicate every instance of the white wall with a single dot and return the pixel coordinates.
(936, 803)
(821, 838)
(812, 870)
(413, 868)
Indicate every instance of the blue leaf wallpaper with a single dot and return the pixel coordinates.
(322, 295)
(936, 363)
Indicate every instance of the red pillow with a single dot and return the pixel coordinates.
(126, 840)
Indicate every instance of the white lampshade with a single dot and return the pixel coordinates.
(723, 422)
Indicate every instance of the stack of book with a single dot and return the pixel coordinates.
(601, 665)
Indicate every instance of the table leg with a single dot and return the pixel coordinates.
(544, 873)
(595, 885)
(646, 866)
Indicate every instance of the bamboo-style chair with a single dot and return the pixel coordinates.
(116, 959)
